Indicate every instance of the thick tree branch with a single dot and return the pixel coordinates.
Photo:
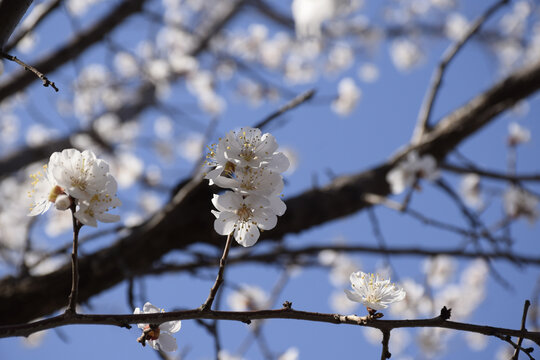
(11, 12)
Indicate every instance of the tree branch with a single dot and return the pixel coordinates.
(425, 111)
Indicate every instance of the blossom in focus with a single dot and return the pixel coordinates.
(519, 202)
(517, 134)
(372, 291)
(81, 175)
(242, 215)
(90, 211)
(405, 173)
(72, 177)
(247, 163)
(159, 336)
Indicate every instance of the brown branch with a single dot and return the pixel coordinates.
(489, 174)
(248, 316)
(45, 9)
(74, 47)
(46, 81)
(425, 111)
(523, 329)
(385, 353)
(300, 99)
(11, 12)
(207, 306)
(73, 295)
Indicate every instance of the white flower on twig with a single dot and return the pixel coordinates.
(243, 215)
(374, 292)
(159, 336)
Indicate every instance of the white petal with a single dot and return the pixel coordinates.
(171, 326)
(353, 296)
(224, 224)
(167, 342)
(148, 308)
(247, 235)
(265, 219)
(277, 205)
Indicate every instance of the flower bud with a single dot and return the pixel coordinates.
(63, 202)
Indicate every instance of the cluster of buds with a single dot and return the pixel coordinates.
(247, 163)
(75, 180)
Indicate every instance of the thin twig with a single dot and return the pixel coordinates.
(77, 225)
(287, 312)
(300, 99)
(422, 124)
(219, 279)
(385, 353)
(523, 329)
(490, 174)
(46, 82)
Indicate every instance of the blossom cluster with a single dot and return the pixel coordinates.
(247, 163)
(72, 177)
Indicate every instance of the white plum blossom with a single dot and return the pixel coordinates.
(90, 211)
(519, 202)
(470, 190)
(405, 54)
(247, 163)
(439, 270)
(348, 96)
(310, 14)
(374, 292)
(248, 297)
(72, 177)
(159, 336)
(243, 215)
(406, 172)
(81, 175)
(517, 134)
(291, 353)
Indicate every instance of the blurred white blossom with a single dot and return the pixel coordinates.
(405, 54)
(248, 297)
(413, 167)
(517, 134)
(470, 190)
(519, 202)
(310, 14)
(348, 96)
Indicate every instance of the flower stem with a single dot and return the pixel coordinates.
(77, 225)
(219, 279)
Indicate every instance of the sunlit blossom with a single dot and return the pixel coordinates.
(373, 292)
(159, 336)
